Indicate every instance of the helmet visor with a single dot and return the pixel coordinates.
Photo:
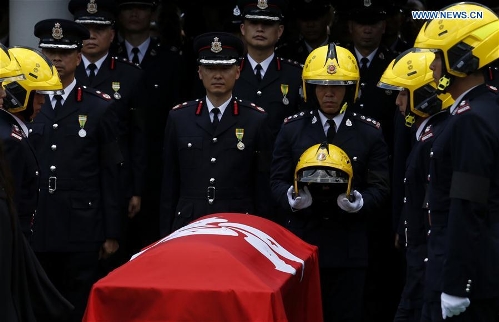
(390, 87)
(329, 82)
(322, 176)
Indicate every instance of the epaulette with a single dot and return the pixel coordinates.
(492, 88)
(16, 132)
(123, 61)
(368, 120)
(184, 104)
(92, 91)
(427, 133)
(290, 62)
(298, 116)
(249, 104)
(462, 107)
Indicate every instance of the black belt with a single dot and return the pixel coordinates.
(211, 193)
(55, 183)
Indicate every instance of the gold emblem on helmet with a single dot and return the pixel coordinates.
(262, 4)
(216, 46)
(331, 69)
(92, 7)
(57, 31)
(367, 3)
(321, 156)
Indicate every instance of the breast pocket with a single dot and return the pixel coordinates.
(190, 150)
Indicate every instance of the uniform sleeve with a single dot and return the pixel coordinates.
(282, 169)
(263, 159)
(110, 164)
(170, 183)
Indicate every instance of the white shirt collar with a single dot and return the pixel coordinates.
(67, 90)
(265, 64)
(221, 107)
(337, 120)
(98, 63)
(142, 49)
(370, 56)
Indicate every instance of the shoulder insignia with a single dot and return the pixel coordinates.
(368, 120)
(126, 61)
(462, 107)
(184, 104)
(298, 116)
(16, 132)
(291, 62)
(249, 104)
(96, 93)
(492, 88)
(427, 133)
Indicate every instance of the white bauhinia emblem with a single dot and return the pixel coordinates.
(262, 242)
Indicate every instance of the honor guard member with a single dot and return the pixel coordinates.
(125, 82)
(267, 80)
(22, 103)
(217, 148)
(162, 65)
(335, 223)
(463, 254)
(10, 70)
(74, 136)
(313, 18)
(409, 74)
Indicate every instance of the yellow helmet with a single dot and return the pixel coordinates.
(9, 67)
(466, 44)
(331, 65)
(40, 76)
(411, 70)
(326, 169)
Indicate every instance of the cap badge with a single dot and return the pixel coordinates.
(57, 31)
(216, 46)
(262, 4)
(321, 156)
(367, 3)
(331, 69)
(236, 11)
(92, 7)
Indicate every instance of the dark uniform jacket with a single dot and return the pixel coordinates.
(202, 164)
(414, 224)
(128, 108)
(282, 76)
(79, 174)
(24, 167)
(296, 50)
(463, 253)
(373, 101)
(341, 237)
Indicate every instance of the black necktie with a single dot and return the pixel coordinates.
(91, 75)
(58, 102)
(363, 67)
(258, 73)
(215, 111)
(331, 132)
(135, 58)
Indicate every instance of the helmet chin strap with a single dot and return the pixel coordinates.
(343, 108)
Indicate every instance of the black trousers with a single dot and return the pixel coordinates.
(73, 274)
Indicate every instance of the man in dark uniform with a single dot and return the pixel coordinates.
(216, 149)
(267, 80)
(21, 106)
(313, 18)
(74, 137)
(462, 283)
(163, 68)
(367, 23)
(336, 225)
(125, 83)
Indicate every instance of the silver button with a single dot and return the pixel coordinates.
(259, 93)
(90, 203)
(426, 259)
(213, 160)
(215, 140)
(354, 158)
(405, 199)
(55, 126)
(212, 180)
(53, 147)
(30, 130)
(156, 86)
(189, 145)
(431, 154)
(210, 202)
(36, 173)
(428, 177)
(405, 180)
(52, 168)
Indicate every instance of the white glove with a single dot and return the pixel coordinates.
(348, 206)
(453, 305)
(302, 201)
